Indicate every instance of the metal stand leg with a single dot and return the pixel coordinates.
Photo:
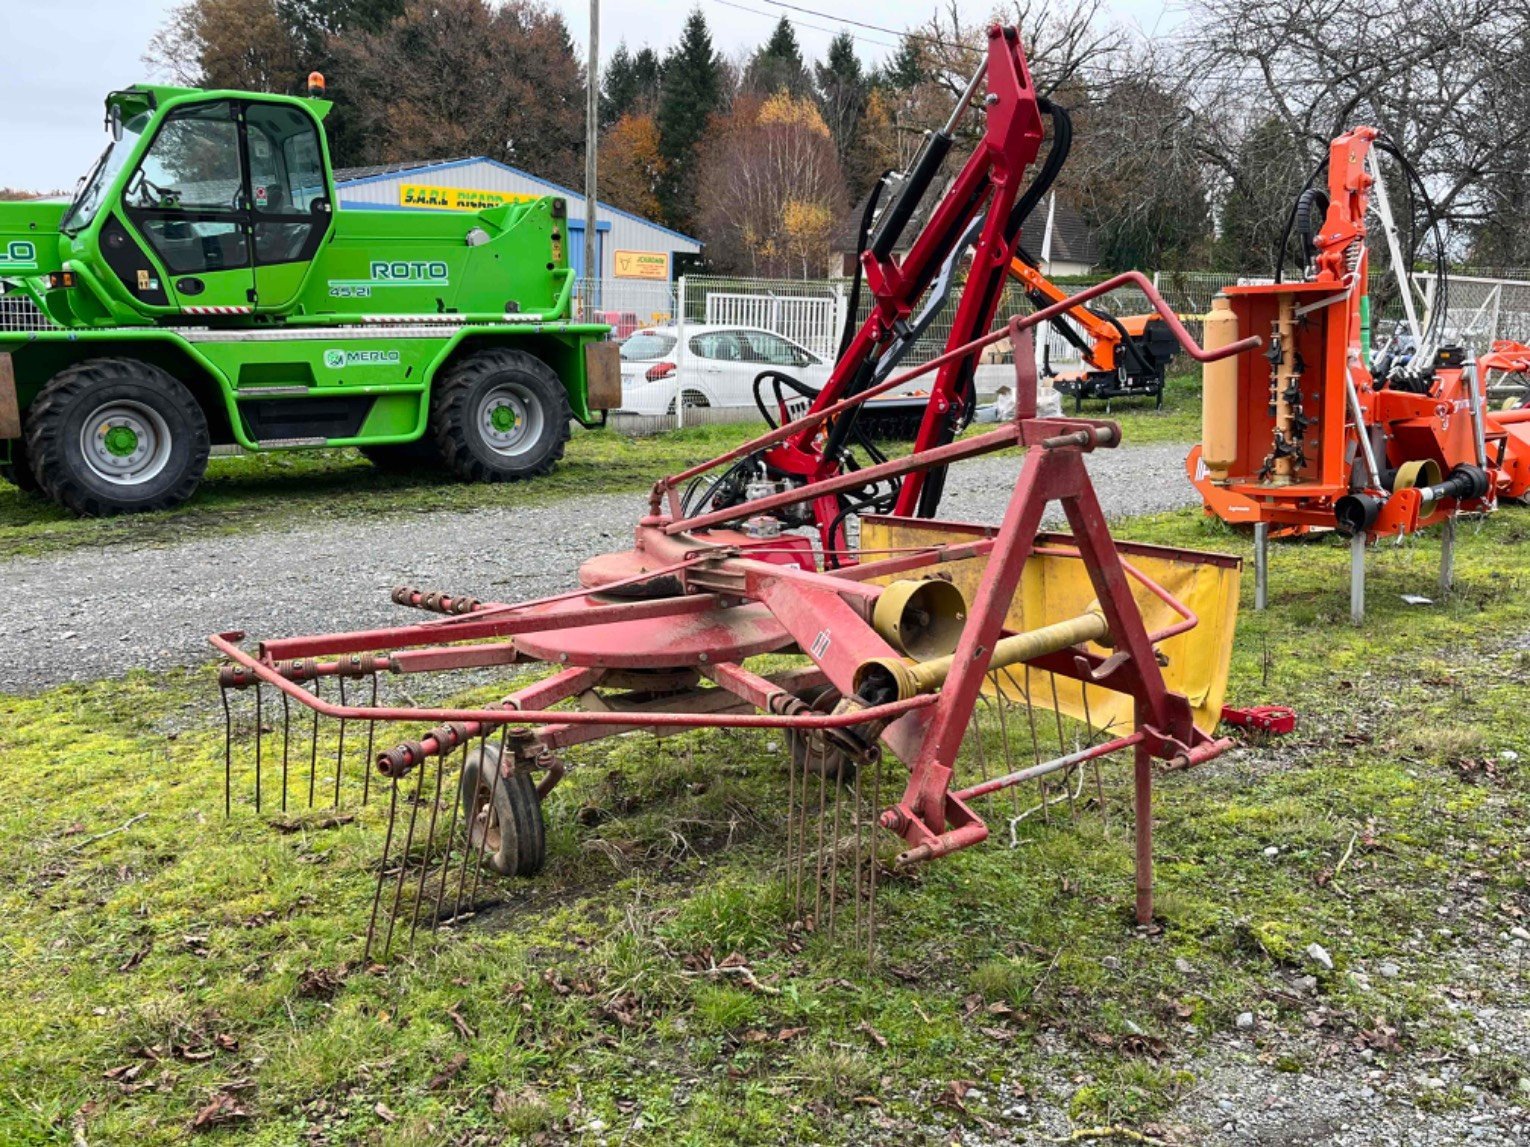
(1357, 578)
(1261, 564)
(1448, 555)
(1143, 814)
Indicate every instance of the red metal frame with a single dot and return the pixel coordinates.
(694, 597)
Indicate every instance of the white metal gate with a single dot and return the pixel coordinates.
(812, 321)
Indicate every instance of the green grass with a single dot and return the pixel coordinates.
(298, 487)
(584, 995)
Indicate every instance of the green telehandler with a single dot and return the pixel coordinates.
(204, 288)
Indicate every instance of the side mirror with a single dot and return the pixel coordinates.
(114, 123)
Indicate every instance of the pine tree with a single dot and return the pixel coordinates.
(905, 69)
(842, 92)
(689, 94)
(629, 85)
(777, 66)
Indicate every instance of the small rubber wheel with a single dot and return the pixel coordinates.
(502, 815)
(499, 415)
(18, 471)
(405, 457)
(117, 436)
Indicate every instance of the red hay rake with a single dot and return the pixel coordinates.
(881, 653)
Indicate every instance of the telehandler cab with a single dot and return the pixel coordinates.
(205, 288)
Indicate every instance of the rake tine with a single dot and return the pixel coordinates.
(467, 827)
(1030, 710)
(366, 776)
(818, 892)
(228, 754)
(859, 812)
(313, 759)
(403, 860)
(430, 840)
(286, 745)
(382, 872)
(802, 834)
(791, 801)
(451, 837)
(1061, 750)
(1099, 785)
(871, 899)
(259, 737)
(839, 790)
(483, 847)
(1002, 703)
(976, 726)
(339, 752)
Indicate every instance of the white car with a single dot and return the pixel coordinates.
(716, 366)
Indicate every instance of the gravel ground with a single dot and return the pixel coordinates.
(86, 615)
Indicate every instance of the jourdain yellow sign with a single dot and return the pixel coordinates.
(456, 198)
(642, 265)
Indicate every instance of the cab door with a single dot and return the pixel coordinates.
(289, 199)
(184, 204)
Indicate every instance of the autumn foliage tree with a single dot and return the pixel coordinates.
(632, 165)
(771, 188)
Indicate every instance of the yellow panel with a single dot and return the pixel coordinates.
(1056, 587)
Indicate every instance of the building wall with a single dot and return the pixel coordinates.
(618, 231)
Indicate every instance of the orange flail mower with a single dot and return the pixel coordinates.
(1315, 434)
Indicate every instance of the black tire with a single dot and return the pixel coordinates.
(405, 457)
(462, 408)
(502, 816)
(76, 468)
(18, 471)
(694, 400)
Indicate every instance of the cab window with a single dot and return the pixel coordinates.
(286, 182)
(192, 165)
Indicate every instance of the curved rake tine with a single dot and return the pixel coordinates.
(286, 745)
(859, 811)
(366, 776)
(467, 827)
(1099, 785)
(340, 751)
(839, 790)
(403, 859)
(822, 793)
(1062, 750)
(1002, 703)
(259, 737)
(451, 838)
(228, 754)
(976, 726)
(382, 871)
(1030, 711)
(313, 758)
(483, 848)
(871, 899)
(430, 840)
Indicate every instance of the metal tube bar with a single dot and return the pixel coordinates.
(1057, 764)
(966, 350)
(1357, 578)
(1261, 565)
(967, 448)
(573, 717)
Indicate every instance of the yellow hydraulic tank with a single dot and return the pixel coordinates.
(1219, 392)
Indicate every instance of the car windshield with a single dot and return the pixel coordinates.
(645, 346)
(87, 200)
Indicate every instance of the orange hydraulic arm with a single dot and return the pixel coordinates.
(1105, 337)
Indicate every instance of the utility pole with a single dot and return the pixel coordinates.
(591, 131)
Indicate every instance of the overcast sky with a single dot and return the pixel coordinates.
(63, 56)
